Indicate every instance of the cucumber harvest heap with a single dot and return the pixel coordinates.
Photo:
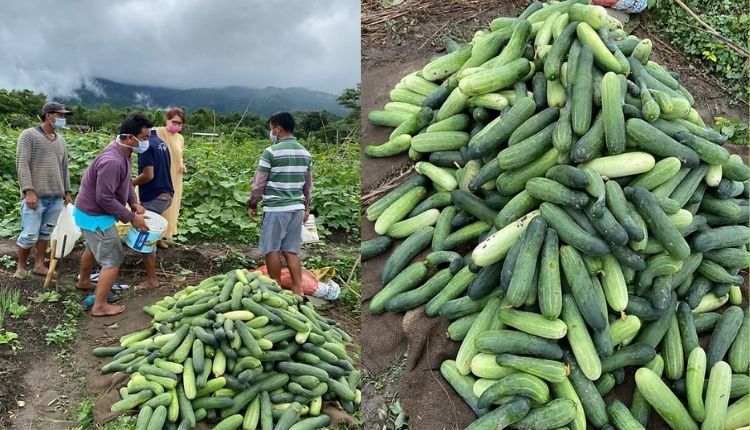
(237, 350)
(580, 220)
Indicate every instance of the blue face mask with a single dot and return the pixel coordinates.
(141, 148)
(59, 123)
(273, 137)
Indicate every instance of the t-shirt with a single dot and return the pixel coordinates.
(287, 164)
(106, 186)
(157, 155)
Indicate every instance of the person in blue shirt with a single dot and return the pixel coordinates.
(155, 191)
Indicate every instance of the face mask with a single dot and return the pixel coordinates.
(273, 137)
(140, 149)
(174, 128)
(59, 123)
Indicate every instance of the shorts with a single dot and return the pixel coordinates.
(37, 224)
(281, 231)
(106, 246)
(159, 204)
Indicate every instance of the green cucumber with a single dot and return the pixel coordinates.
(458, 284)
(405, 252)
(717, 396)
(376, 209)
(519, 384)
(499, 130)
(612, 115)
(663, 400)
(533, 323)
(554, 414)
(502, 416)
(516, 342)
(462, 384)
(571, 233)
(549, 190)
(546, 369)
(374, 247)
(526, 263)
(526, 151)
(468, 348)
(580, 340)
(549, 287)
(406, 280)
(724, 334)
(659, 224)
(695, 379)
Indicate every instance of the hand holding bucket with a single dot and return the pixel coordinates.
(139, 222)
(144, 239)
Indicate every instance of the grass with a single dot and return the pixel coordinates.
(84, 415)
(8, 300)
(64, 334)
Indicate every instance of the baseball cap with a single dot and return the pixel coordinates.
(55, 107)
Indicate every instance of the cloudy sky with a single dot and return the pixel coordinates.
(53, 46)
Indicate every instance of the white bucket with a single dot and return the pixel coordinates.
(145, 241)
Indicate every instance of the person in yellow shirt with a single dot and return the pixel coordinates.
(170, 134)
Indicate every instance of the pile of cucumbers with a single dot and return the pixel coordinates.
(578, 219)
(238, 351)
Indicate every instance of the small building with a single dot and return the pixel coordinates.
(202, 134)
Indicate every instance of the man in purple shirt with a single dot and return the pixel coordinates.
(105, 189)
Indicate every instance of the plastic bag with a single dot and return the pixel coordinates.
(327, 290)
(310, 231)
(66, 232)
(631, 6)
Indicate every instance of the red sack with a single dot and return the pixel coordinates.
(309, 283)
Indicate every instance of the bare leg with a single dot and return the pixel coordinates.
(273, 264)
(107, 278)
(22, 256)
(150, 262)
(87, 265)
(41, 249)
(295, 270)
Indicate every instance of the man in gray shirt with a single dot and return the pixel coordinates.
(42, 167)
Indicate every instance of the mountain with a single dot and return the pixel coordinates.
(265, 101)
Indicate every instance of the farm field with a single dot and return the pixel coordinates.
(48, 377)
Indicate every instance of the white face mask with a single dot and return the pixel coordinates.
(141, 148)
(273, 137)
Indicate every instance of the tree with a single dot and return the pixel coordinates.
(350, 99)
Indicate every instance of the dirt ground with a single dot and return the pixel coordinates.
(391, 49)
(40, 386)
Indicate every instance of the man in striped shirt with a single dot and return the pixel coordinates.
(283, 182)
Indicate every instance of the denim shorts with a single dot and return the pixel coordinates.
(37, 224)
(281, 231)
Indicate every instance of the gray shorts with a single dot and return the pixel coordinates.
(281, 231)
(106, 246)
(159, 204)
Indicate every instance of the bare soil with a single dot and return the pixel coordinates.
(40, 386)
(391, 50)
